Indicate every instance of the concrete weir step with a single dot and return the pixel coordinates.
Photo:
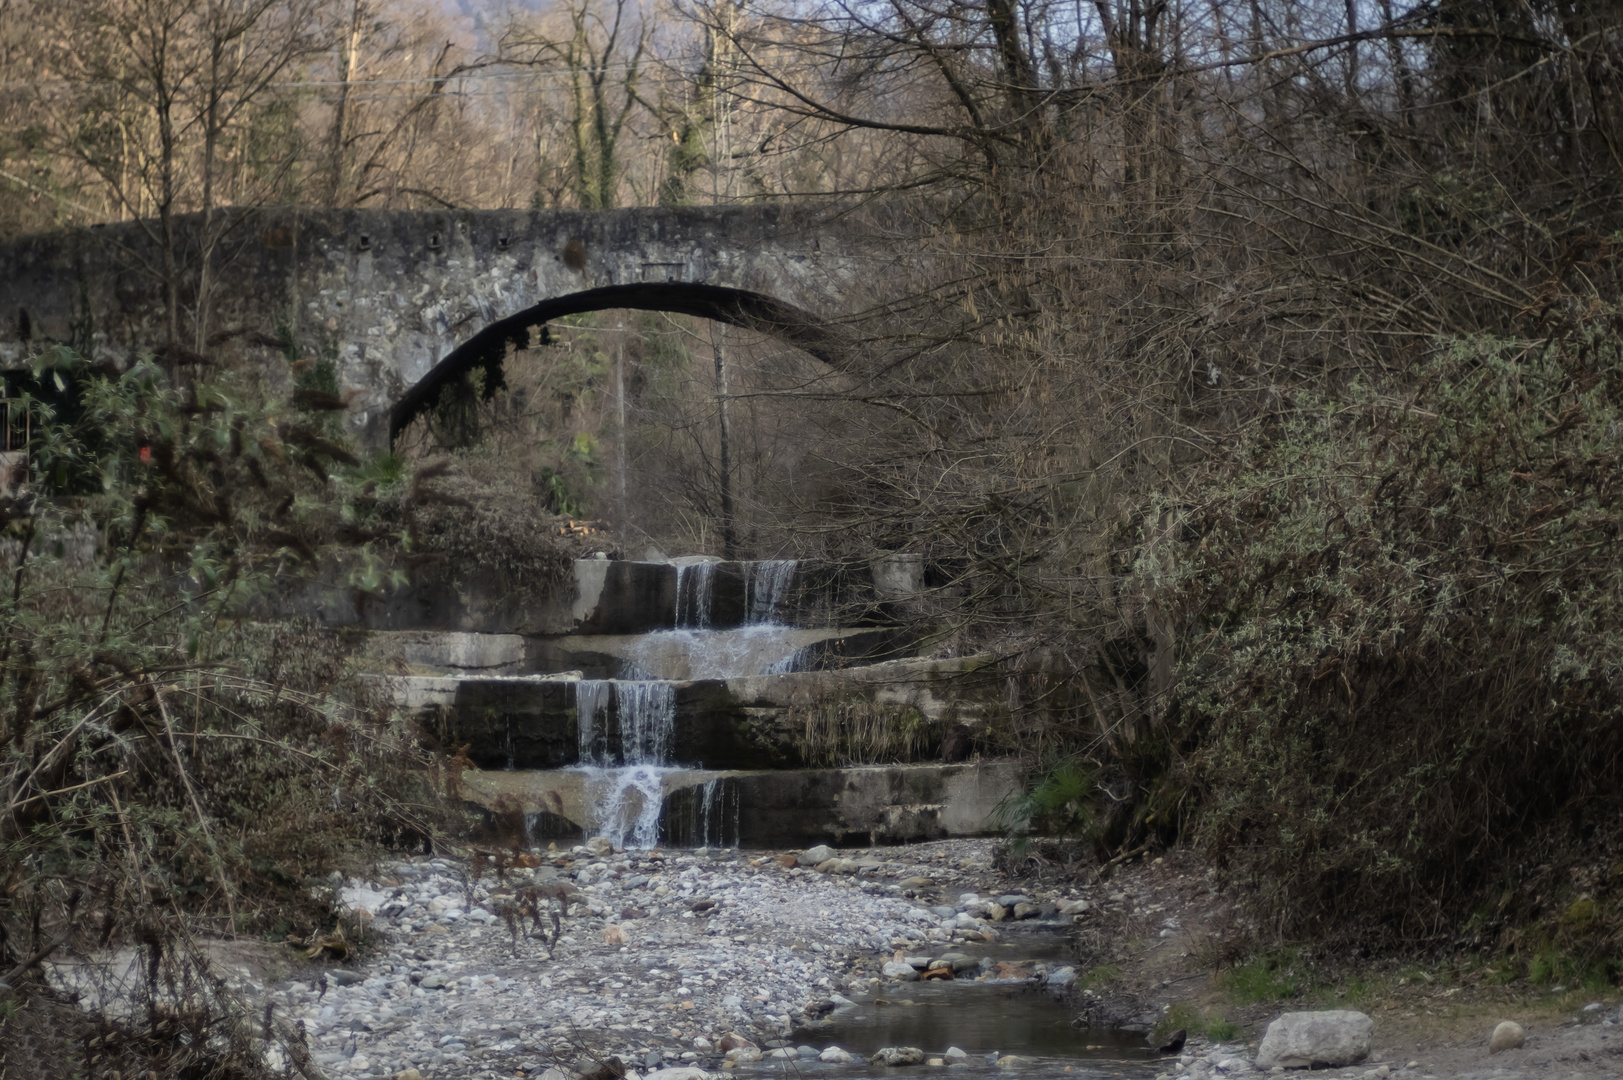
(603, 597)
(663, 654)
(745, 722)
(858, 805)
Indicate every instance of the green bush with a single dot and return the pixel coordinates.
(1402, 617)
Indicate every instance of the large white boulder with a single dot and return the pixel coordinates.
(1301, 1040)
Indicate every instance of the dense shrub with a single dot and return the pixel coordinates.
(1402, 636)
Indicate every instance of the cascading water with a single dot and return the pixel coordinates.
(626, 726)
(695, 585)
(766, 588)
(625, 776)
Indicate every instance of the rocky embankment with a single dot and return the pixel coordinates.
(659, 958)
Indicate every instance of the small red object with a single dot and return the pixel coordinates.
(146, 454)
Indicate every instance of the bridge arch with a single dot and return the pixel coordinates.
(735, 307)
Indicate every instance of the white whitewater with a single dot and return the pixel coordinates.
(764, 649)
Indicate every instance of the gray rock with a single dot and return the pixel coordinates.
(956, 960)
(744, 1054)
(344, 977)
(902, 972)
(435, 981)
(822, 853)
(898, 1055)
(836, 1055)
(1027, 911)
(1009, 900)
(954, 1054)
(1060, 978)
(1507, 1036)
(1301, 1040)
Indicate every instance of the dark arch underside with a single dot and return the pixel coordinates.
(736, 307)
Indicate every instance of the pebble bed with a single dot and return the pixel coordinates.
(662, 956)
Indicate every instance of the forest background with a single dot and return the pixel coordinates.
(1257, 400)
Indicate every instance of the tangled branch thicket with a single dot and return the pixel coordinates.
(168, 769)
(1258, 407)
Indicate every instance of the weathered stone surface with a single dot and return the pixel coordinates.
(814, 856)
(899, 970)
(898, 1055)
(891, 802)
(1330, 1038)
(407, 294)
(1507, 1036)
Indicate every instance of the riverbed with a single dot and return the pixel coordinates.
(672, 958)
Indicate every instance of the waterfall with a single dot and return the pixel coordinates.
(647, 712)
(705, 815)
(795, 661)
(766, 588)
(693, 593)
(591, 695)
(623, 800)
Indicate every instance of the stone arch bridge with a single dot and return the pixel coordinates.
(404, 301)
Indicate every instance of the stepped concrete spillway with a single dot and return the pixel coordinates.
(699, 701)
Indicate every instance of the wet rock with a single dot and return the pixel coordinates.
(1010, 900)
(956, 960)
(898, 1055)
(783, 1053)
(816, 856)
(433, 981)
(703, 1045)
(835, 1055)
(954, 1054)
(996, 912)
(1060, 978)
(1014, 1061)
(916, 883)
(1507, 1036)
(600, 846)
(937, 974)
(1305, 1039)
(899, 971)
(786, 860)
(1027, 911)
(744, 1054)
(734, 1041)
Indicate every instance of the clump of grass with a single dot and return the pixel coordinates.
(1100, 976)
(1196, 1022)
(1277, 976)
